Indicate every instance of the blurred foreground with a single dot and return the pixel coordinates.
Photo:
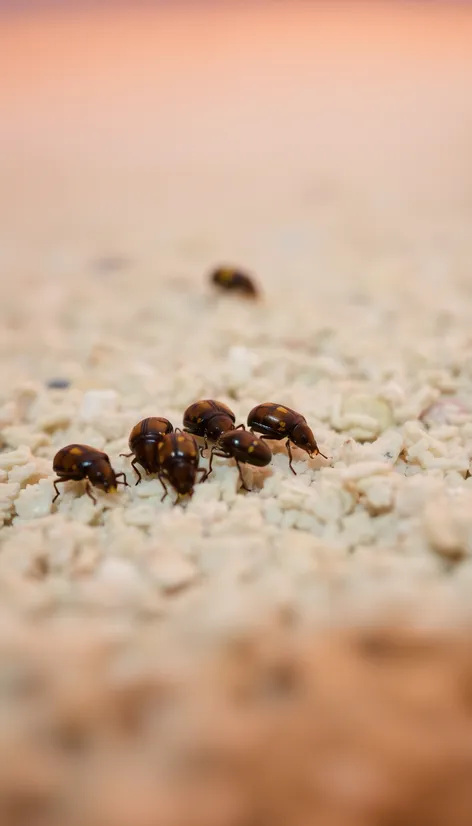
(279, 728)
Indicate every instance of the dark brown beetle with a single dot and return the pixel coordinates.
(144, 441)
(208, 419)
(277, 422)
(178, 463)
(234, 280)
(242, 446)
(76, 462)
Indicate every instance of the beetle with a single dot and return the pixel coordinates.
(242, 446)
(275, 421)
(76, 462)
(208, 419)
(178, 463)
(144, 441)
(234, 280)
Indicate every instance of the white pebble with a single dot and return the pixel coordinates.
(172, 573)
(363, 469)
(35, 501)
(97, 403)
(447, 523)
(378, 491)
(21, 456)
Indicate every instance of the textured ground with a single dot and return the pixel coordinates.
(333, 162)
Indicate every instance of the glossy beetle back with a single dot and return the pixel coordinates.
(144, 441)
(76, 462)
(152, 429)
(245, 447)
(273, 420)
(75, 459)
(208, 419)
(179, 458)
(234, 280)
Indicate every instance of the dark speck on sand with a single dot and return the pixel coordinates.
(58, 384)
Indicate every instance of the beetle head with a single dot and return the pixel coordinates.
(102, 475)
(182, 478)
(217, 425)
(302, 437)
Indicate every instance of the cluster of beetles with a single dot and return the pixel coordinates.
(174, 455)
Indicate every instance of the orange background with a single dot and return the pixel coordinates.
(190, 108)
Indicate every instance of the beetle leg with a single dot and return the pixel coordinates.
(126, 455)
(88, 491)
(58, 492)
(202, 470)
(166, 492)
(215, 452)
(241, 427)
(319, 453)
(117, 476)
(289, 451)
(243, 483)
(210, 466)
(133, 465)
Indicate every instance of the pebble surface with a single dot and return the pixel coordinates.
(390, 507)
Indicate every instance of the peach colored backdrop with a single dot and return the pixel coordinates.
(185, 103)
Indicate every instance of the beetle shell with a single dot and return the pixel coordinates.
(209, 419)
(243, 446)
(234, 280)
(76, 462)
(178, 460)
(144, 441)
(274, 420)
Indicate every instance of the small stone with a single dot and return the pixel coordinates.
(97, 403)
(172, 573)
(31, 472)
(35, 501)
(365, 416)
(58, 384)
(388, 446)
(364, 469)
(358, 529)
(141, 515)
(57, 418)
(378, 491)
(239, 367)
(8, 492)
(443, 411)
(12, 458)
(20, 436)
(447, 523)
(8, 414)
(331, 502)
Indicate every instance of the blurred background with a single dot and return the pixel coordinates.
(127, 125)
